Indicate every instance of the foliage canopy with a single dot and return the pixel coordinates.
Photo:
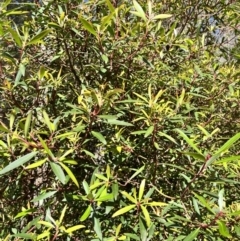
(119, 120)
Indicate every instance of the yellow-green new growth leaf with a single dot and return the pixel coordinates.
(74, 228)
(123, 210)
(162, 16)
(62, 214)
(36, 164)
(27, 124)
(139, 10)
(86, 213)
(141, 190)
(146, 215)
(129, 197)
(70, 174)
(45, 223)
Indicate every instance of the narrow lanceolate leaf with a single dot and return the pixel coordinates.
(88, 26)
(99, 136)
(220, 200)
(192, 235)
(36, 164)
(58, 172)
(149, 131)
(27, 123)
(62, 214)
(223, 230)
(228, 144)
(119, 123)
(20, 161)
(141, 190)
(162, 16)
(129, 197)
(189, 141)
(97, 228)
(15, 36)
(74, 228)
(44, 145)
(139, 10)
(86, 213)
(70, 174)
(43, 196)
(146, 215)
(38, 38)
(47, 121)
(123, 210)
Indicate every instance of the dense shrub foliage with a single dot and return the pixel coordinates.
(119, 120)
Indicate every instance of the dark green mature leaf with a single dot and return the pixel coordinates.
(18, 162)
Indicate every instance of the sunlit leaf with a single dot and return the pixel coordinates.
(18, 162)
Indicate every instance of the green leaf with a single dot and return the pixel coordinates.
(123, 210)
(36, 164)
(141, 190)
(221, 203)
(43, 196)
(16, 36)
(47, 121)
(167, 136)
(18, 162)
(129, 197)
(106, 197)
(190, 142)
(149, 131)
(38, 38)
(86, 213)
(74, 228)
(25, 236)
(195, 204)
(49, 152)
(58, 172)
(99, 136)
(192, 235)
(118, 122)
(70, 174)
(139, 10)
(62, 215)
(88, 26)
(47, 224)
(162, 16)
(27, 123)
(228, 144)
(223, 230)
(137, 172)
(146, 215)
(97, 228)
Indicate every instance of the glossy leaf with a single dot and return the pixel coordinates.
(123, 210)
